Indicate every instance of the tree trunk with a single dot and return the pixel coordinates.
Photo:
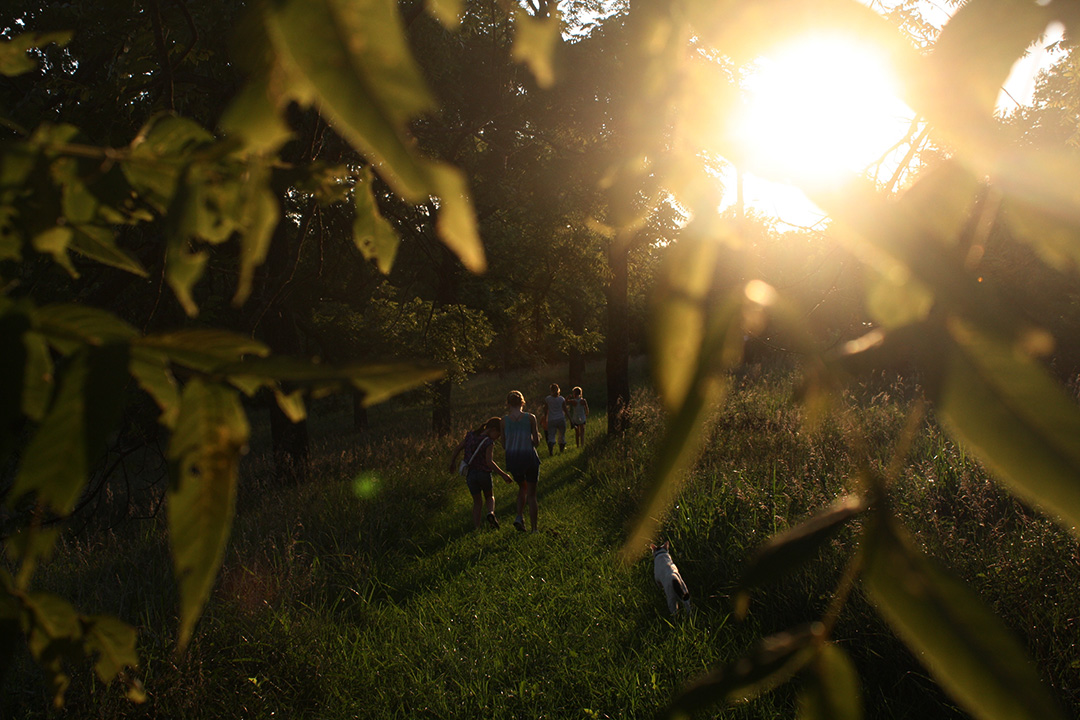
(359, 412)
(576, 375)
(618, 335)
(290, 445)
(441, 408)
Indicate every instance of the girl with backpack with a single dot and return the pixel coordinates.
(477, 466)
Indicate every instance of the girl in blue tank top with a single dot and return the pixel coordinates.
(521, 438)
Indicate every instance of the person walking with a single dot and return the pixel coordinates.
(476, 449)
(521, 440)
(578, 408)
(555, 419)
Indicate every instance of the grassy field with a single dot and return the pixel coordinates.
(365, 593)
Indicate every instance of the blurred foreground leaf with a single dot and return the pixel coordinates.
(774, 661)
(955, 635)
(1004, 406)
(832, 692)
(211, 433)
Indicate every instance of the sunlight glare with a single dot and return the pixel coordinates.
(820, 109)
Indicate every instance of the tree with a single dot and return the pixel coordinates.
(160, 183)
(165, 186)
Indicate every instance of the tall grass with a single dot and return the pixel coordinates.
(364, 592)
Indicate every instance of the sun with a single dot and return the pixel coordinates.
(819, 109)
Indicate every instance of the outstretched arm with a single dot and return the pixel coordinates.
(488, 456)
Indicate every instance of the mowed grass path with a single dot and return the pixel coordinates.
(499, 623)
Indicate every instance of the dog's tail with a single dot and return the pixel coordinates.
(680, 588)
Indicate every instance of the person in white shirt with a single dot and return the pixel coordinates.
(555, 415)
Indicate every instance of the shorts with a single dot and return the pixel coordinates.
(554, 426)
(524, 467)
(529, 475)
(479, 481)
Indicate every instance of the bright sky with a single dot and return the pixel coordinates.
(860, 121)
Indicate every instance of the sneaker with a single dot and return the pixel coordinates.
(519, 524)
(493, 521)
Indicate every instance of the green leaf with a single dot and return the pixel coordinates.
(457, 221)
(378, 381)
(448, 12)
(254, 117)
(68, 327)
(382, 382)
(159, 153)
(11, 239)
(679, 315)
(14, 362)
(895, 300)
(183, 265)
(211, 433)
(150, 368)
(38, 380)
(292, 404)
(55, 463)
(976, 50)
(373, 235)
(1003, 405)
(772, 662)
(685, 428)
(833, 693)
(53, 635)
(14, 59)
(956, 636)
(535, 40)
(795, 547)
(204, 350)
(260, 217)
(73, 434)
(183, 268)
(112, 643)
(98, 243)
(1049, 222)
(354, 58)
(54, 241)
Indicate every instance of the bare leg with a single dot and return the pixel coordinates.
(533, 507)
(477, 506)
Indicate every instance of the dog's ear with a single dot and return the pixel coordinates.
(666, 545)
(652, 548)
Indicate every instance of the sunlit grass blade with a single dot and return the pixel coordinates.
(1002, 404)
(961, 641)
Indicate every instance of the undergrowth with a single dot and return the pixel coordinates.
(364, 592)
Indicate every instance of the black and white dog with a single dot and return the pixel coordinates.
(668, 578)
